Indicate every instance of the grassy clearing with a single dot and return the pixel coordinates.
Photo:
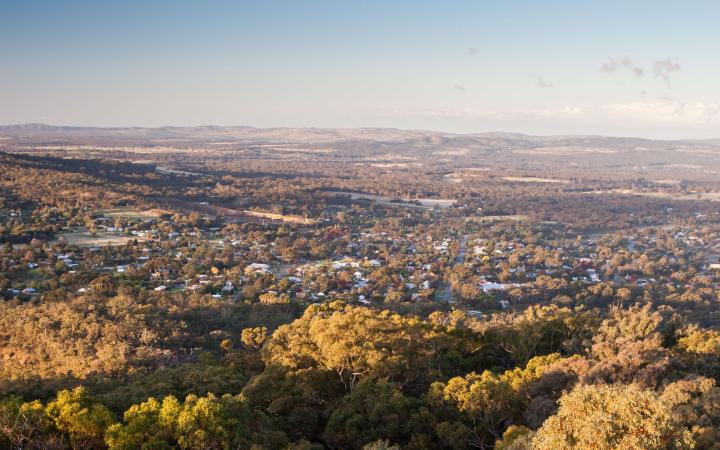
(86, 239)
(132, 213)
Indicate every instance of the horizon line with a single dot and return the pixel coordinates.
(286, 127)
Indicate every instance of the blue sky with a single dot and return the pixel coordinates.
(641, 68)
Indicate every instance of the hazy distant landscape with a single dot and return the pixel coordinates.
(566, 157)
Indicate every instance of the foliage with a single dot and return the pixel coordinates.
(375, 410)
(208, 422)
(612, 417)
(71, 420)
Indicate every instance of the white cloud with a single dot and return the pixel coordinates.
(611, 66)
(674, 112)
(663, 68)
(445, 112)
(646, 112)
(541, 83)
(663, 111)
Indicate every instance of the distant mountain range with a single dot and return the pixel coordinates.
(388, 148)
(246, 132)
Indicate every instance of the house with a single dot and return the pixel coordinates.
(337, 265)
(487, 287)
(593, 275)
(257, 267)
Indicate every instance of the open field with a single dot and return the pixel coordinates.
(236, 215)
(513, 217)
(425, 203)
(84, 238)
(534, 180)
(695, 196)
(290, 218)
(167, 170)
(132, 213)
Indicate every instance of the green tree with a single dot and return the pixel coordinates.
(487, 401)
(628, 348)
(354, 343)
(514, 437)
(606, 417)
(254, 337)
(207, 422)
(77, 416)
(695, 403)
(26, 425)
(370, 412)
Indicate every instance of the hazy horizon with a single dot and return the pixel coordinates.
(320, 127)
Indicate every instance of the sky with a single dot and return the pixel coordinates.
(623, 68)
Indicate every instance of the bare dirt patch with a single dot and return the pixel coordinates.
(534, 180)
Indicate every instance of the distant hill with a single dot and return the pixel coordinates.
(389, 148)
